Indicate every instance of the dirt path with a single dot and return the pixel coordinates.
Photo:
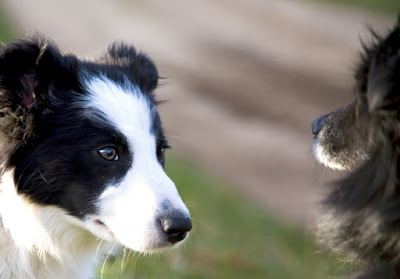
(245, 79)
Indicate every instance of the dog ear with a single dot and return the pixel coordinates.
(383, 88)
(143, 71)
(27, 71)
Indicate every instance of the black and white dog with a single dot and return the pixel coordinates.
(361, 217)
(82, 156)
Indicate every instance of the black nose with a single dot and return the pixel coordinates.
(176, 226)
(318, 124)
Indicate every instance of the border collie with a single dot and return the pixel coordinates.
(361, 218)
(82, 157)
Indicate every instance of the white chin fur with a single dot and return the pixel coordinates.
(322, 156)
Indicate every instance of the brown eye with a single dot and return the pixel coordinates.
(161, 153)
(109, 154)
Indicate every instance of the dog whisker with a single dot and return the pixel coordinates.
(123, 258)
(111, 250)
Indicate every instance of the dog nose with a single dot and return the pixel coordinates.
(175, 226)
(318, 123)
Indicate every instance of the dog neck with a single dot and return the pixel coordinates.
(42, 241)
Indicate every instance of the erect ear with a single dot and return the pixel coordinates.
(27, 70)
(383, 89)
(142, 70)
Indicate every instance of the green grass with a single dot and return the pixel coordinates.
(231, 239)
(5, 34)
(380, 6)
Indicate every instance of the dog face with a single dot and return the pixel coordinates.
(351, 133)
(85, 137)
(338, 141)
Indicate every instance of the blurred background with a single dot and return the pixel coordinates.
(243, 81)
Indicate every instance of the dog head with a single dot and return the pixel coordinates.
(354, 132)
(85, 137)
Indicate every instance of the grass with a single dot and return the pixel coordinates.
(380, 6)
(231, 239)
(5, 34)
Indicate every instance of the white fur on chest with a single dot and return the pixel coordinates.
(42, 241)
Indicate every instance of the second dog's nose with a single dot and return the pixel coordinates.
(318, 123)
(176, 226)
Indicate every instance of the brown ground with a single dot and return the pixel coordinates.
(245, 79)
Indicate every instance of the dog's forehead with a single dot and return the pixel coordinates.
(122, 105)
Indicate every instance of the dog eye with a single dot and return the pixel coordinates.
(161, 154)
(109, 154)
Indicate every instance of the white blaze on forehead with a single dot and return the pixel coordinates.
(125, 105)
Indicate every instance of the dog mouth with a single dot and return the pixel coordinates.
(103, 231)
(99, 223)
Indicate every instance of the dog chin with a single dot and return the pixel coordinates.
(329, 161)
